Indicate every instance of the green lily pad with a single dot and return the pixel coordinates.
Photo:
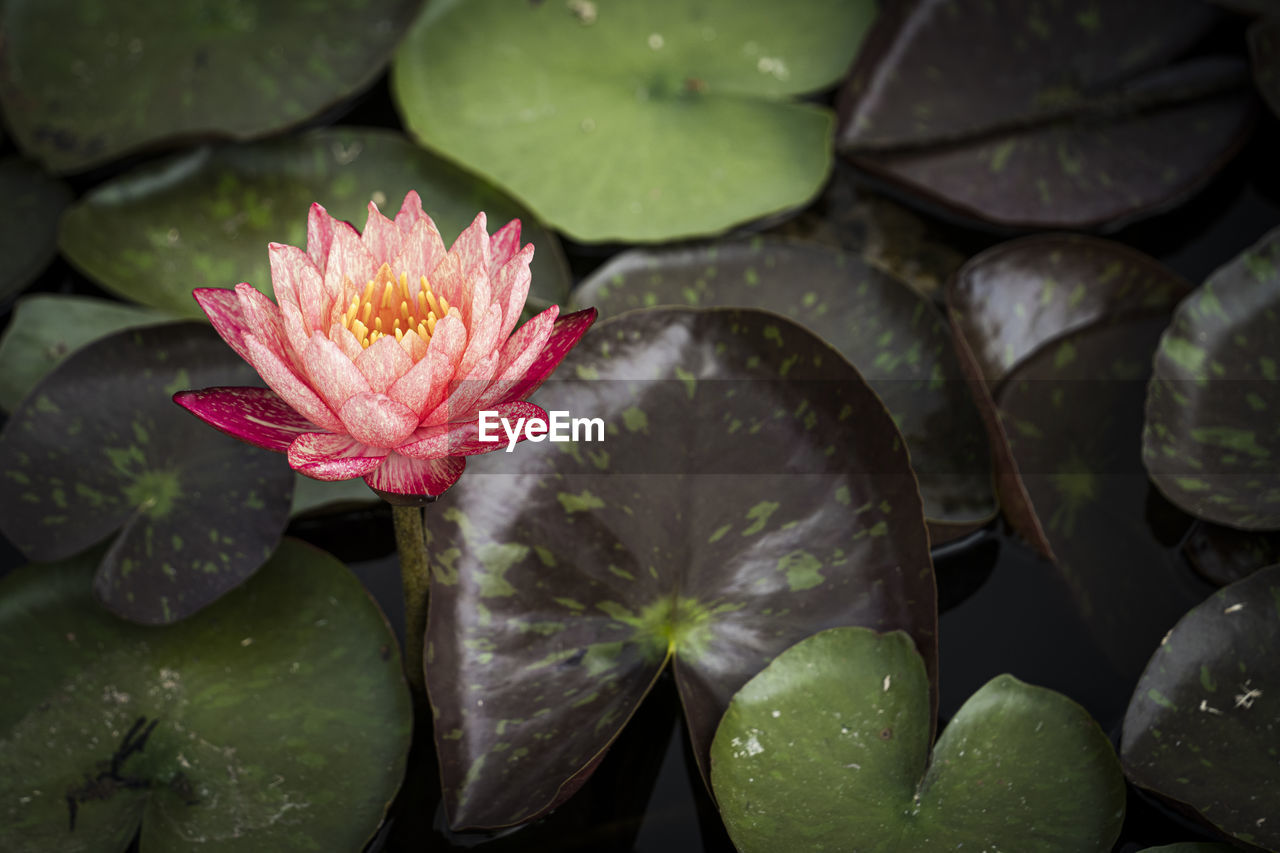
(1264, 50)
(750, 489)
(895, 338)
(83, 83)
(632, 121)
(32, 204)
(329, 495)
(46, 328)
(1213, 403)
(204, 219)
(277, 720)
(98, 450)
(828, 749)
(1053, 116)
(1059, 331)
(1201, 727)
(1225, 555)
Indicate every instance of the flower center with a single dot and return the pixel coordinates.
(389, 306)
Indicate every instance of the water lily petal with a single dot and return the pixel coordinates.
(415, 346)
(281, 379)
(411, 213)
(463, 439)
(346, 341)
(566, 333)
(222, 307)
(402, 480)
(332, 374)
(472, 247)
(447, 281)
(464, 393)
(381, 236)
(422, 251)
(319, 235)
(482, 342)
(503, 245)
(263, 317)
(511, 288)
(378, 420)
(256, 415)
(350, 267)
(296, 279)
(327, 456)
(425, 385)
(383, 363)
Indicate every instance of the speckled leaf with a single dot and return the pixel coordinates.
(1201, 727)
(1060, 332)
(1211, 443)
(83, 82)
(204, 219)
(892, 335)
(632, 121)
(28, 224)
(1052, 115)
(1264, 50)
(46, 328)
(1225, 555)
(98, 449)
(828, 749)
(275, 721)
(750, 490)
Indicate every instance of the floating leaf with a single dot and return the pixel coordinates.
(1264, 49)
(892, 335)
(729, 512)
(1059, 331)
(204, 219)
(828, 749)
(1210, 443)
(320, 495)
(82, 84)
(1201, 727)
(632, 121)
(46, 328)
(32, 203)
(99, 447)
(277, 720)
(1225, 555)
(1044, 117)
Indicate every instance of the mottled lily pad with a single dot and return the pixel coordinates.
(83, 83)
(1055, 115)
(895, 338)
(204, 219)
(28, 225)
(632, 121)
(1225, 555)
(1264, 50)
(277, 720)
(98, 450)
(1211, 443)
(750, 490)
(828, 749)
(1201, 728)
(1059, 332)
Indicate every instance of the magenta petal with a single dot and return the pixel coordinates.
(565, 335)
(504, 243)
(327, 456)
(401, 480)
(222, 307)
(463, 439)
(255, 415)
(378, 420)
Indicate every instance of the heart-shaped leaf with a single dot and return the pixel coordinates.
(204, 219)
(98, 447)
(1059, 332)
(1225, 555)
(1056, 116)
(1211, 443)
(28, 225)
(750, 489)
(1264, 50)
(828, 749)
(891, 334)
(277, 720)
(82, 84)
(632, 121)
(1201, 728)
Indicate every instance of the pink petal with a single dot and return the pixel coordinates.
(295, 330)
(378, 420)
(326, 456)
(222, 307)
(425, 385)
(297, 280)
(349, 261)
(287, 384)
(332, 374)
(415, 346)
(518, 355)
(447, 281)
(255, 415)
(483, 341)
(504, 244)
(511, 288)
(472, 247)
(346, 341)
(383, 363)
(411, 213)
(381, 236)
(565, 335)
(421, 252)
(263, 317)
(400, 480)
(319, 235)
(464, 393)
(463, 439)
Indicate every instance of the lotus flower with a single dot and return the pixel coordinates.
(383, 348)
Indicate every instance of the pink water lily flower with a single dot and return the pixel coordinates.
(383, 348)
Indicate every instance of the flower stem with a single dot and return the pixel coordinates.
(415, 575)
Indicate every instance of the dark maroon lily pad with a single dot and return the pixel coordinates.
(750, 490)
(894, 337)
(98, 449)
(1225, 555)
(1201, 727)
(1211, 443)
(1059, 332)
(82, 83)
(28, 223)
(1054, 115)
(1264, 50)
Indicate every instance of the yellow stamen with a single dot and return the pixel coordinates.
(388, 305)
